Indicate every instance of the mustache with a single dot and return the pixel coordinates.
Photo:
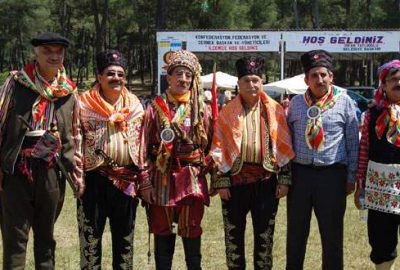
(115, 81)
(183, 83)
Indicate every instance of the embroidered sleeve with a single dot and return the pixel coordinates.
(146, 149)
(77, 174)
(5, 103)
(150, 135)
(208, 124)
(363, 152)
(144, 180)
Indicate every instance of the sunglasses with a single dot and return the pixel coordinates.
(113, 74)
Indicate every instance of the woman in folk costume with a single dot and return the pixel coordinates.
(252, 148)
(378, 174)
(177, 130)
(111, 120)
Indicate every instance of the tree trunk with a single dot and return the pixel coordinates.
(100, 24)
(63, 17)
(296, 14)
(368, 11)
(141, 55)
(20, 48)
(129, 60)
(88, 46)
(315, 14)
(347, 6)
(161, 18)
(161, 23)
(1, 57)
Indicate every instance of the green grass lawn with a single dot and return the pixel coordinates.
(356, 248)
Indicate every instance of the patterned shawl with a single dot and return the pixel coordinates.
(95, 109)
(30, 77)
(228, 134)
(104, 111)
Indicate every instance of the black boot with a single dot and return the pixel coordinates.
(164, 247)
(192, 247)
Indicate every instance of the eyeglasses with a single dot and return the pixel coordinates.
(113, 74)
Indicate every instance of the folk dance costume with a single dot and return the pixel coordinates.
(325, 140)
(112, 139)
(40, 142)
(178, 132)
(378, 172)
(252, 149)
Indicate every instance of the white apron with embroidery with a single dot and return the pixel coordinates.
(382, 187)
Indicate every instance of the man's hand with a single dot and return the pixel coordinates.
(359, 192)
(349, 188)
(1, 179)
(224, 193)
(281, 191)
(80, 188)
(78, 181)
(148, 195)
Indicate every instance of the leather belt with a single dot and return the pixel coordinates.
(322, 167)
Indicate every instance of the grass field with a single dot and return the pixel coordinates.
(356, 248)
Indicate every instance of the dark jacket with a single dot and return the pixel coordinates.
(14, 130)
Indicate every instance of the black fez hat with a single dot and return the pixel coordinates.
(109, 58)
(250, 65)
(316, 58)
(49, 38)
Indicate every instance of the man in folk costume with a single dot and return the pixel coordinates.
(177, 127)
(40, 147)
(324, 129)
(111, 120)
(378, 179)
(252, 148)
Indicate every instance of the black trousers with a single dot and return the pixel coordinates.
(324, 190)
(259, 199)
(383, 230)
(27, 205)
(101, 200)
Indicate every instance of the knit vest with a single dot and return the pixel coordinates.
(380, 150)
(15, 130)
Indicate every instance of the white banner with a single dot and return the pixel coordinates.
(266, 41)
(343, 41)
(227, 41)
(233, 41)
